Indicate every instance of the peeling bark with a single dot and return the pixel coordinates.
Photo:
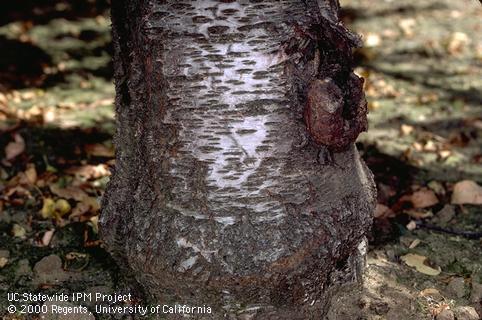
(217, 197)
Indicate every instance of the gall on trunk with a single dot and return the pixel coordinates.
(335, 118)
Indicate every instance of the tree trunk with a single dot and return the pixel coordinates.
(237, 184)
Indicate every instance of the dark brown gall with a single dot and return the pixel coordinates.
(324, 112)
(327, 119)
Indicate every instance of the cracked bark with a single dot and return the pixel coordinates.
(217, 197)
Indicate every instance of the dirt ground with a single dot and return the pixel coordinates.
(422, 64)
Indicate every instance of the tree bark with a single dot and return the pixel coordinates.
(218, 196)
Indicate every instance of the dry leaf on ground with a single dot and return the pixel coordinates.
(31, 173)
(412, 225)
(431, 292)
(437, 187)
(406, 129)
(99, 150)
(467, 192)
(15, 148)
(17, 190)
(48, 208)
(94, 222)
(382, 210)
(414, 244)
(418, 214)
(69, 192)
(457, 42)
(407, 26)
(418, 262)
(89, 204)
(47, 237)
(19, 231)
(80, 209)
(423, 198)
(3, 262)
(62, 207)
(90, 171)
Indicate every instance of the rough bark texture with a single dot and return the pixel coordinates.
(217, 197)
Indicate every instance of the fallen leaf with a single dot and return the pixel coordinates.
(407, 26)
(467, 192)
(48, 208)
(69, 192)
(415, 243)
(90, 171)
(94, 222)
(3, 262)
(437, 187)
(31, 173)
(93, 203)
(444, 154)
(417, 214)
(417, 146)
(423, 198)
(381, 210)
(15, 148)
(18, 190)
(99, 150)
(457, 42)
(412, 225)
(430, 292)
(418, 262)
(80, 209)
(89, 204)
(19, 231)
(47, 237)
(406, 129)
(430, 146)
(62, 207)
